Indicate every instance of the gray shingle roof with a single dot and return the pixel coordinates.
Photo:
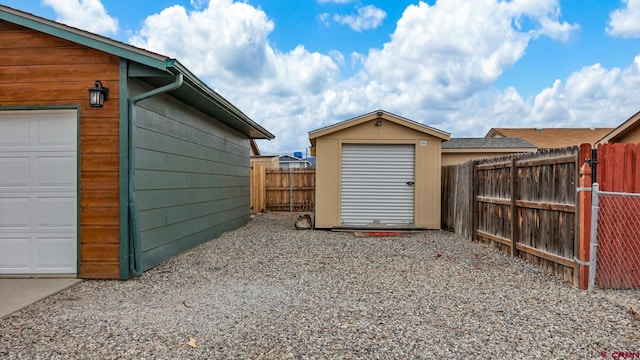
(486, 143)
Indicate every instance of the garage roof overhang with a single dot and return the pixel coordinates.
(378, 114)
(156, 69)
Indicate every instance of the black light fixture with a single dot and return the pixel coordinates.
(378, 123)
(98, 94)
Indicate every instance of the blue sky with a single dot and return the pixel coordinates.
(462, 66)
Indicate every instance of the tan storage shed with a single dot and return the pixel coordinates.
(377, 171)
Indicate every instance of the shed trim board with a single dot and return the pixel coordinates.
(376, 185)
(39, 181)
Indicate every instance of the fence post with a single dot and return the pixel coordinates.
(514, 210)
(594, 239)
(474, 202)
(584, 221)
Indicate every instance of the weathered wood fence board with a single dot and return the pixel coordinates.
(457, 198)
(523, 204)
(290, 189)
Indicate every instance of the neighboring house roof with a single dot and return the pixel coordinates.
(285, 159)
(378, 114)
(630, 125)
(549, 138)
(487, 143)
(289, 158)
(157, 70)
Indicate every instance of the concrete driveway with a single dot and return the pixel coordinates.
(16, 293)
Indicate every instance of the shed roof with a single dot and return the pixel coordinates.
(549, 138)
(631, 124)
(487, 143)
(381, 114)
(157, 69)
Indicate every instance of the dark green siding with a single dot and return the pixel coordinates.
(191, 178)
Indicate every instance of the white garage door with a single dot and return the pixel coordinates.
(38, 192)
(376, 188)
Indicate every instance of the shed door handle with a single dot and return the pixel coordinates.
(410, 183)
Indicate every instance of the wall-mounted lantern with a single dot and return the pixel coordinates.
(98, 94)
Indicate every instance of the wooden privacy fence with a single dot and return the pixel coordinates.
(522, 204)
(284, 189)
(528, 205)
(258, 193)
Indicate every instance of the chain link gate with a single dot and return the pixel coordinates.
(615, 240)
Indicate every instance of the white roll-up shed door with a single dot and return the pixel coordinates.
(377, 185)
(38, 192)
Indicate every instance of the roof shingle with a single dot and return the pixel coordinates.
(550, 138)
(486, 143)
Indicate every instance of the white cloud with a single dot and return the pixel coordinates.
(590, 97)
(88, 15)
(445, 52)
(226, 44)
(324, 18)
(625, 22)
(438, 68)
(226, 40)
(369, 17)
(595, 95)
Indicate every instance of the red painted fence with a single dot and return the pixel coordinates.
(618, 170)
(618, 167)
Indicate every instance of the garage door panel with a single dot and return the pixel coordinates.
(14, 252)
(53, 253)
(56, 212)
(58, 171)
(14, 171)
(38, 191)
(15, 212)
(54, 132)
(14, 132)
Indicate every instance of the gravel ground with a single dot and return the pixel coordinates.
(267, 291)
